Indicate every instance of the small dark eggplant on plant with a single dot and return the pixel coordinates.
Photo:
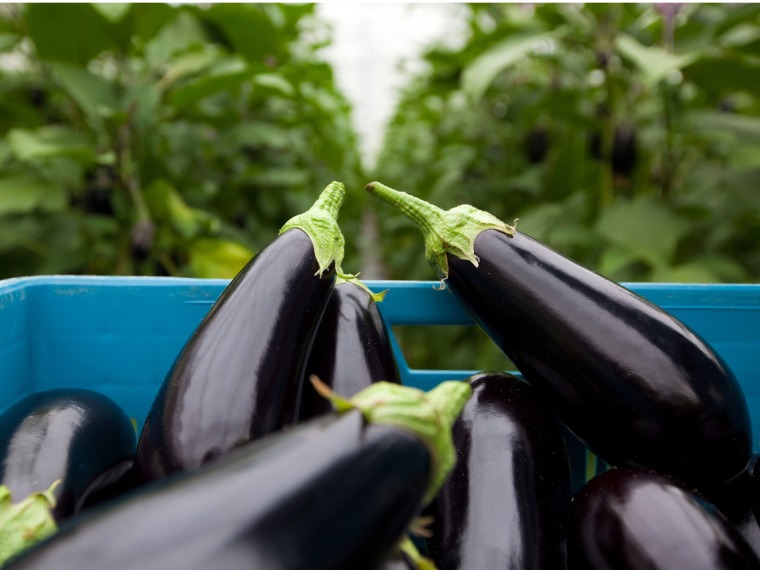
(336, 493)
(240, 375)
(635, 384)
(536, 144)
(634, 519)
(351, 349)
(504, 504)
(78, 437)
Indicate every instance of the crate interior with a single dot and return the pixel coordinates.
(121, 335)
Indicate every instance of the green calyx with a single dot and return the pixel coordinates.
(444, 231)
(429, 415)
(26, 522)
(320, 223)
(353, 279)
(414, 556)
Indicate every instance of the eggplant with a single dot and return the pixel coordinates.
(351, 349)
(734, 500)
(239, 376)
(635, 384)
(636, 519)
(505, 502)
(337, 492)
(79, 437)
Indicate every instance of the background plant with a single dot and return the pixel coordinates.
(625, 136)
(158, 139)
(175, 140)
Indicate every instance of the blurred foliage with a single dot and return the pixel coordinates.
(176, 140)
(163, 139)
(625, 136)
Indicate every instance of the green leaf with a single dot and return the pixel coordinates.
(62, 171)
(168, 206)
(744, 127)
(707, 268)
(7, 41)
(274, 82)
(218, 258)
(645, 228)
(685, 273)
(5, 152)
(481, 72)
(745, 156)
(187, 65)
(23, 193)
(225, 74)
(740, 36)
(145, 102)
(257, 134)
(247, 27)
(283, 177)
(50, 141)
(92, 94)
(113, 12)
(614, 260)
(180, 34)
(724, 75)
(67, 32)
(654, 62)
(142, 22)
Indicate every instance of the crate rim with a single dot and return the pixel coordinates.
(118, 280)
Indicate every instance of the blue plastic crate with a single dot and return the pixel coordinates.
(120, 335)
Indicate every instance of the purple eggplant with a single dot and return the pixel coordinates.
(79, 437)
(734, 500)
(635, 519)
(636, 385)
(351, 349)
(504, 504)
(239, 376)
(334, 493)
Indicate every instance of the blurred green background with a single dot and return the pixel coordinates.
(156, 139)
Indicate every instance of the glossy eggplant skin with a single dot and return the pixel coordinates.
(504, 505)
(79, 436)
(351, 349)
(633, 383)
(333, 493)
(239, 376)
(733, 500)
(636, 519)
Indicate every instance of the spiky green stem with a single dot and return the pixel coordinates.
(444, 231)
(320, 223)
(428, 415)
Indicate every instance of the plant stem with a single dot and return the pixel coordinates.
(606, 180)
(668, 166)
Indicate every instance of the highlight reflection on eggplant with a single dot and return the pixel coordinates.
(351, 349)
(636, 385)
(734, 501)
(635, 519)
(78, 436)
(334, 493)
(505, 502)
(240, 375)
